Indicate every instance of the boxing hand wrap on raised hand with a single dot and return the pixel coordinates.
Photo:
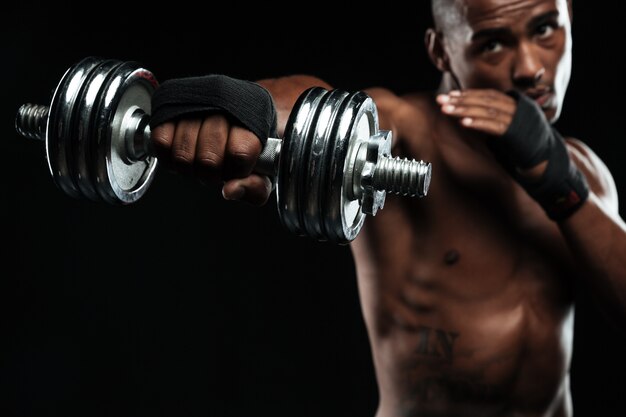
(530, 140)
(246, 102)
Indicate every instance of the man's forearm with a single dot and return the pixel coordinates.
(597, 238)
(286, 90)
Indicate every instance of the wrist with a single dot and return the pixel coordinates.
(562, 188)
(536, 155)
(535, 173)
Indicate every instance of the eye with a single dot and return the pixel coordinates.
(545, 31)
(491, 47)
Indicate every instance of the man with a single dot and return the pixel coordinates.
(467, 294)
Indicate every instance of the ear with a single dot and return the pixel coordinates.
(436, 50)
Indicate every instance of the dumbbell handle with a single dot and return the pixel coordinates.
(139, 145)
(392, 175)
(31, 123)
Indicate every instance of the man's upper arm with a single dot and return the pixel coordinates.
(405, 119)
(386, 104)
(598, 175)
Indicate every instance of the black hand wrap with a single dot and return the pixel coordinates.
(530, 140)
(245, 102)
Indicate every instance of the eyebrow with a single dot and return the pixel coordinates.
(490, 33)
(502, 31)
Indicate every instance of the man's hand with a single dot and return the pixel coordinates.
(214, 127)
(488, 111)
(525, 143)
(214, 151)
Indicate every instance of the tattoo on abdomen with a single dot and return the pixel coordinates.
(436, 343)
(431, 377)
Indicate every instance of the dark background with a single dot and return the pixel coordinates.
(186, 304)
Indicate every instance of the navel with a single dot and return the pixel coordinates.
(451, 257)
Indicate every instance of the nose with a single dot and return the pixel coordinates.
(528, 68)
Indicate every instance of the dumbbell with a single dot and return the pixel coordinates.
(331, 169)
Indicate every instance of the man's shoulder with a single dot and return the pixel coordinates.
(414, 108)
(386, 97)
(585, 157)
(411, 117)
(596, 171)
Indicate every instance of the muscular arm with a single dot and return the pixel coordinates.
(597, 235)
(286, 90)
(595, 232)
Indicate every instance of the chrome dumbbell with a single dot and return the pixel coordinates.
(331, 169)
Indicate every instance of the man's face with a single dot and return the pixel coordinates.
(513, 44)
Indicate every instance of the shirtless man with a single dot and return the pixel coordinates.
(467, 294)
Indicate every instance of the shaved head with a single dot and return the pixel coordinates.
(449, 13)
(446, 13)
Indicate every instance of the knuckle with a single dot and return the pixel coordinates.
(244, 150)
(186, 145)
(241, 162)
(216, 133)
(162, 137)
(215, 124)
(182, 156)
(493, 94)
(210, 160)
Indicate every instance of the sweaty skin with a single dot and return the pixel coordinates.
(467, 294)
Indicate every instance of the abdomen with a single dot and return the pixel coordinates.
(488, 334)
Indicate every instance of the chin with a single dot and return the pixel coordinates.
(552, 114)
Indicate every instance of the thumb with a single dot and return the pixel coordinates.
(254, 189)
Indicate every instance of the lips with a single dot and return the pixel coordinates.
(542, 96)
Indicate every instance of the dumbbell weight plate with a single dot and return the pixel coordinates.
(357, 121)
(291, 170)
(323, 130)
(319, 142)
(59, 125)
(82, 140)
(118, 180)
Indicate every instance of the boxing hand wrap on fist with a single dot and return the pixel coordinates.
(248, 103)
(213, 127)
(531, 140)
(522, 139)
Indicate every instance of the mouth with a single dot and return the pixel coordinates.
(542, 96)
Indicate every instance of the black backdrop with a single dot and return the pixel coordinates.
(186, 304)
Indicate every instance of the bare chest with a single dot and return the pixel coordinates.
(469, 289)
